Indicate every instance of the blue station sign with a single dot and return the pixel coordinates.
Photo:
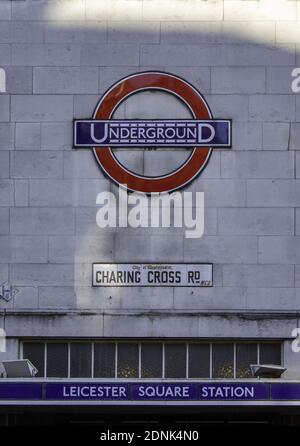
(152, 133)
(98, 391)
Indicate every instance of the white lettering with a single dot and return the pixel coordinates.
(93, 137)
(201, 139)
(138, 215)
(2, 340)
(227, 392)
(295, 345)
(159, 210)
(295, 86)
(196, 225)
(106, 215)
(161, 391)
(2, 80)
(124, 133)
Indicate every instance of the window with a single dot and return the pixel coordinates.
(175, 360)
(57, 360)
(149, 359)
(246, 354)
(199, 360)
(104, 360)
(81, 355)
(35, 352)
(269, 354)
(222, 360)
(128, 360)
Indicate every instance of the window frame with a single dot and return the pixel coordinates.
(139, 343)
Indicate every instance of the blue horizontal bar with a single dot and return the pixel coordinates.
(152, 133)
(137, 391)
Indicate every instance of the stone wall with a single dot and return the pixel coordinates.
(59, 57)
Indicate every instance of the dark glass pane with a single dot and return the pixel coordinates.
(57, 360)
(104, 360)
(151, 361)
(246, 354)
(270, 354)
(199, 361)
(175, 361)
(34, 351)
(81, 358)
(222, 359)
(128, 360)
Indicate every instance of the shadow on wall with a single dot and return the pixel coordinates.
(159, 21)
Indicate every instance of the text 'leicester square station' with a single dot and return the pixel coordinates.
(149, 211)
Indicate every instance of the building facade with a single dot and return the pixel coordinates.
(58, 58)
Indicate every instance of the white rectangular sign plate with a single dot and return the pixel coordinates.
(152, 274)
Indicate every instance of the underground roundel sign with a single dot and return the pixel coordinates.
(102, 133)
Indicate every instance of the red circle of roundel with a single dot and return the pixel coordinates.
(152, 81)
